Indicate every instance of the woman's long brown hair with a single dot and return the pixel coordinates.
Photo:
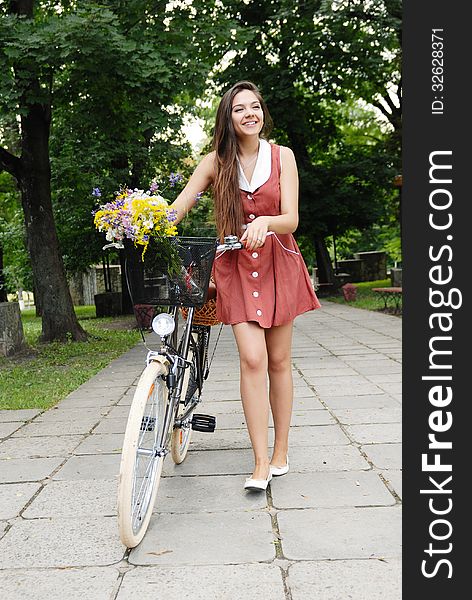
(229, 214)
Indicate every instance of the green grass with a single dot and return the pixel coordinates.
(46, 373)
(366, 298)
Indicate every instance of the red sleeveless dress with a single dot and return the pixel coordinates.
(270, 285)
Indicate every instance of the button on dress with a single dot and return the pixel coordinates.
(271, 286)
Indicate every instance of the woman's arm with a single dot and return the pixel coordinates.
(287, 221)
(200, 180)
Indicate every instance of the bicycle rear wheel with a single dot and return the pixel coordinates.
(141, 457)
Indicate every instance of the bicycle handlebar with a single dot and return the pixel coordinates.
(231, 243)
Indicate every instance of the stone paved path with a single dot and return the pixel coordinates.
(330, 530)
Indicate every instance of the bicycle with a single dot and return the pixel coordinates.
(162, 417)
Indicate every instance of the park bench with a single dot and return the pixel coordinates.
(390, 293)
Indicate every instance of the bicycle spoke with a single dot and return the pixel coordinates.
(142, 491)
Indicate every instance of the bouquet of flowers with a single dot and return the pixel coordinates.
(144, 217)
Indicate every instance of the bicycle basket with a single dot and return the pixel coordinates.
(150, 284)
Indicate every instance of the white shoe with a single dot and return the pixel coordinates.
(258, 484)
(277, 471)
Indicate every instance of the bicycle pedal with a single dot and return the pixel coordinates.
(203, 423)
(148, 424)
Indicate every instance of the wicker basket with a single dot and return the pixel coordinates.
(206, 315)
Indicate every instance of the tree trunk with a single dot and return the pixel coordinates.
(3, 289)
(58, 317)
(37, 302)
(33, 173)
(323, 261)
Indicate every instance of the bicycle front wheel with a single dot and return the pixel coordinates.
(181, 436)
(142, 457)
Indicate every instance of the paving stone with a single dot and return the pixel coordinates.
(118, 412)
(90, 400)
(6, 429)
(335, 389)
(107, 425)
(395, 480)
(61, 543)
(101, 443)
(14, 496)
(342, 579)
(222, 439)
(217, 538)
(322, 373)
(10, 416)
(354, 352)
(386, 368)
(341, 533)
(92, 466)
(391, 388)
(96, 392)
(212, 462)
(77, 499)
(329, 362)
(349, 416)
(220, 407)
(385, 378)
(311, 403)
(71, 427)
(384, 456)
(224, 388)
(203, 582)
(126, 399)
(377, 433)
(312, 490)
(329, 435)
(107, 383)
(239, 438)
(368, 401)
(327, 383)
(72, 584)
(299, 418)
(372, 360)
(223, 375)
(27, 469)
(37, 447)
(206, 494)
(61, 414)
(311, 459)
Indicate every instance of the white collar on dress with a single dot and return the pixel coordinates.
(262, 169)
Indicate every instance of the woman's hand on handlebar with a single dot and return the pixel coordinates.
(255, 233)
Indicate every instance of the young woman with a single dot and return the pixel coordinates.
(262, 288)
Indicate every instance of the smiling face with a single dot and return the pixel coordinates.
(247, 114)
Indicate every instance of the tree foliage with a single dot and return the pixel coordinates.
(320, 65)
(104, 87)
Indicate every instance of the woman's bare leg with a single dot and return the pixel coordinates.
(253, 368)
(279, 350)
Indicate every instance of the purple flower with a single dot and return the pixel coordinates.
(172, 216)
(153, 187)
(96, 192)
(175, 178)
(198, 196)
